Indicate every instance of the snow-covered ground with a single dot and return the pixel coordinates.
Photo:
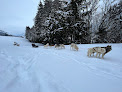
(27, 69)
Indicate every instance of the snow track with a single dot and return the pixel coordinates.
(27, 69)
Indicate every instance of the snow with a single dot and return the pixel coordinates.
(27, 69)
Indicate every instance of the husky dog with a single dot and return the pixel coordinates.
(15, 43)
(35, 46)
(99, 51)
(102, 50)
(71, 47)
(57, 46)
(45, 46)
(74, 47)
(90, 52)
(62, 46)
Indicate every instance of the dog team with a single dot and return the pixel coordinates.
(98, 50)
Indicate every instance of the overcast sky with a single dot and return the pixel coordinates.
(15, 15)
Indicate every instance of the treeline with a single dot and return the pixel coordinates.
(2, 33)
(65, 22)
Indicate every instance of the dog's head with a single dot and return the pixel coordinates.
(33, 45)
(108, 48)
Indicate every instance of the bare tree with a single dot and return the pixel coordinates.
(106, 5)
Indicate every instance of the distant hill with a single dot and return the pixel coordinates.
(2, 33)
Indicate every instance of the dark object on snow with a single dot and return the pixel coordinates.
(108, 48)
(15, 43)
(35, 46)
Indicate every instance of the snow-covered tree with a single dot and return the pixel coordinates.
(38, 21)
(67, 21)
(60, 21)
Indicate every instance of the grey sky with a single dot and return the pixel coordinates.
(15, 15)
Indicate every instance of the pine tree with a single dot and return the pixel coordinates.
(39, 17)
(47, 8)
(79, 24)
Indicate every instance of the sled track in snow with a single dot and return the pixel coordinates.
(74, 56)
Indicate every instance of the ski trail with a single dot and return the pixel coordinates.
(42, 80)
(74, 57)
(47, 80)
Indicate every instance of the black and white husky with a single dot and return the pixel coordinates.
(35, 46)
(99, 50)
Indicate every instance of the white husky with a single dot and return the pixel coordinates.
(62, 46)
(90, 52)
(71, 47)
(74, 47)
(46, 46)
(59, 46)
(99, 51)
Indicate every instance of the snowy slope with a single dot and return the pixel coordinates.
(27, 69)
